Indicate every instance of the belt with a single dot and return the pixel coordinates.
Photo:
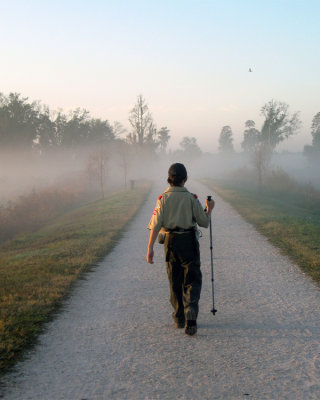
(179, 230)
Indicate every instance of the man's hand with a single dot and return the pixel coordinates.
(150, 254)
(152, 239)
(210, 205)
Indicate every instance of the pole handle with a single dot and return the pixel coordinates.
(208, 198)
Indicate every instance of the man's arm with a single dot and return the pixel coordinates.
(152, 238)
(202, 217)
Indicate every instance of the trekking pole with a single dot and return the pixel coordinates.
(212, 274)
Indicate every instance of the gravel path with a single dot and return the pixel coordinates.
(115, 338)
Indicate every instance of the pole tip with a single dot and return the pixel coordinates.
(214, 311)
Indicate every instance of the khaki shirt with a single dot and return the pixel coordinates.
(178, 208)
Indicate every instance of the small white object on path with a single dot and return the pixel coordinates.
(115, 338)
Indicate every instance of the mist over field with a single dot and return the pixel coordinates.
(221, 166)
(22, 173)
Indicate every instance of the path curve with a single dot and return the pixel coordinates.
(115, 338)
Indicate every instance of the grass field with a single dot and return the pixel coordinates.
(289, 222)
(37, 269)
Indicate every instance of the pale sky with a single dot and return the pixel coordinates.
(188, 58)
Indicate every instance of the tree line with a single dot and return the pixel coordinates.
(278, 125)
(32, 125)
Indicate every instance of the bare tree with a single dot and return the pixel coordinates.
(140, 120)
(97, 167)
(260, 160)
(118, 129)
(124, 153)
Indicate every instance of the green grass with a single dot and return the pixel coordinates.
(291, 225)
(38, 269)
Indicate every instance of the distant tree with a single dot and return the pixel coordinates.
(99, 132)
(18, 121)
(261, 157)
(141, 121)
(60, 123)
(226, 139)
(163, 138)
(313, 151)
(46, 130)
(76, 129)
(97, 167)
(125, 155)
(315, 130)
(250, 137)
(151, 137)
(278, 124)
(79, 129)
(190, 147)
(118, 129)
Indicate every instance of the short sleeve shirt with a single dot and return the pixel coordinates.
(178, 208)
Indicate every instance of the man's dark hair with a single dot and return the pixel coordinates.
(177, 173)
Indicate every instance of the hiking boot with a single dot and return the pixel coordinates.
(179, 323)
(191, 315)
(191, 327)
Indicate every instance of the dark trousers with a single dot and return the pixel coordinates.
(184, 274)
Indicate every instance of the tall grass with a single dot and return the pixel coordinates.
(277, 184)
(33, 210)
